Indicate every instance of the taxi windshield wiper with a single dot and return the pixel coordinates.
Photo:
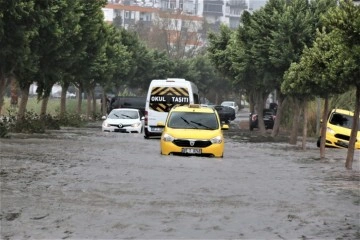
(202, 125)
(187, 122)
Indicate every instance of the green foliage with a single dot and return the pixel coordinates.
(330, 66)
(32, 123)
(6, 124)
(16, 20)
(71, 120)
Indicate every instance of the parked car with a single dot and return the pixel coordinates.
(125, 120)
(339, 124)
(193, 130)
(231, 104)
(226, 113)
(268, 116)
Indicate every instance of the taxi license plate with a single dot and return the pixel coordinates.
(342, 144)
(191, 150)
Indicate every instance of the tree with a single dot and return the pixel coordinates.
(58, 33)
(221, 58)
(116, 61)
(93, 40)
(16, 20)
(331, 65)
(344, 21)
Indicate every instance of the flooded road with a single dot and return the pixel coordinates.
(82, 183)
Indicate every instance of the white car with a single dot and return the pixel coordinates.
(231, 104)
(126, 120)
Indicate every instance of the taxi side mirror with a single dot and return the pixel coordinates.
(225, 127)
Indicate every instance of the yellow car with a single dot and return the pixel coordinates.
(193, 130)
(339, 124)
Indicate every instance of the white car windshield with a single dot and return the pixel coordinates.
(228, 104)
(190, 120)
(123, 114)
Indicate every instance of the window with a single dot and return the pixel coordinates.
(193, 120)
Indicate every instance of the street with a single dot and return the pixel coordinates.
(86, 184)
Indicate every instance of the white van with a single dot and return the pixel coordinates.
(162, 96)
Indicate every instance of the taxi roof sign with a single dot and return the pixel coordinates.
(194, 105)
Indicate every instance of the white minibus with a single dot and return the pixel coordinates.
(162, 96)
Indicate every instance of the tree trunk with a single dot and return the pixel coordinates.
(79, 103)
(354, 131)
(295, 123)
(276, 128)
(3, 84)
(103, 103)
(44, 104)
(23, 102)
(305, 115)
(14, 99)
(251, 102)
(260, 112)
(323, 128)
(88, 104)
(64, 89)
(94, 103)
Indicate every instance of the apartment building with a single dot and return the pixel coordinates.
(214, 12)
(182, 19)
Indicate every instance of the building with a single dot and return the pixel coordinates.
(214, 12)
(183, 20)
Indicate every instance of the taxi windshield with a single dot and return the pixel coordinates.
(193, 120)
(342, 120)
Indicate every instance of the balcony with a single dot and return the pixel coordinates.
(213, 8)
(236, 4)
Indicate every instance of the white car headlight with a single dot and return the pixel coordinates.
(136, 124)
(167, 137)
(105, 124)
(329, 130)
(217, 140)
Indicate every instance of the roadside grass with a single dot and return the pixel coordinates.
(34, 123)
(53, 107)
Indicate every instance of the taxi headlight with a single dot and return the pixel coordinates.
(329, 130)
(167, 137)
(217, 140)
(136, 124)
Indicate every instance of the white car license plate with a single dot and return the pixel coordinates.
(191, 150)
(155, 129)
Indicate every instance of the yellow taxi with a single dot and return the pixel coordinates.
(339, 124)
(193, 130)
